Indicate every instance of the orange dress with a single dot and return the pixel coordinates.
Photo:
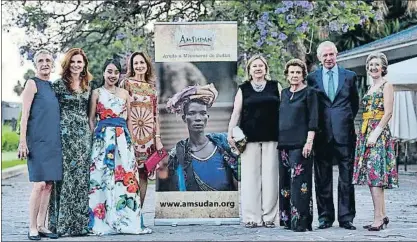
(143, 105)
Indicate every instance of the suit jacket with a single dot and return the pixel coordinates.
(336, 119)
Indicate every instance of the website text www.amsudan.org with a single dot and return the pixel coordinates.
(197, 204)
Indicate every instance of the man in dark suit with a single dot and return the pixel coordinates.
(338, 105)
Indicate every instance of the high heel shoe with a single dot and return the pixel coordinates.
(386, 222)
(378, 228)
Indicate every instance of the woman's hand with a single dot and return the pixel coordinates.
(158, 143)
(232, 144)
(373, 136)
(23, 150)
(307, 149)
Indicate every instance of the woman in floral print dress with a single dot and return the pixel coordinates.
(68, 207)
(140, 83)
(374, 157)
(114, 189)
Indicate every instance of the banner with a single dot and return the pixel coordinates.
(198, 187)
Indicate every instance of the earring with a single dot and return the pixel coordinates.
(83, 73)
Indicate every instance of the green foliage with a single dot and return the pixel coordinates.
(9, 139)
(12, 163)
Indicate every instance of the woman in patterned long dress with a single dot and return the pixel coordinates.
(68, 207)
(114, 189)
(374, 157)
(140, 83)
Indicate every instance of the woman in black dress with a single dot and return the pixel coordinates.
(298, 121)
(40, 142)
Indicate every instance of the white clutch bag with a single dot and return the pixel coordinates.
(240, 139)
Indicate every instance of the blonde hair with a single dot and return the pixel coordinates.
(383, 59)
(325, 44)
(252, 59)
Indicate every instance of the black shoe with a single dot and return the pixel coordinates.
(48, 235)
(347, 225)
(34, 237)
(378, 228)
(324, 225)
(386, 222)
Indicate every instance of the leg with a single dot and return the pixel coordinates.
(378, 199)
(143, 184)
(269, 166)
(323, 176)
(44, 202)
(284, 189)
(346, 192)
(301, 194)
(251, 184)
(34, 201)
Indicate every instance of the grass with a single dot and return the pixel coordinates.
(9, 155)
(11, 163)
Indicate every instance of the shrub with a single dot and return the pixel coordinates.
(9, 139)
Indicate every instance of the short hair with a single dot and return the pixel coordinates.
(40, 52)
(186, 104)
(383, 59)
(296, 62)
(252, 59)
(324, 44)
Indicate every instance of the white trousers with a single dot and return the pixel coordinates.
(259, 182)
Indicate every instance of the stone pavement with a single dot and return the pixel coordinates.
(401, 206)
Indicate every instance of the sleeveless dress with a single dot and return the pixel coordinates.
(375, 166)
(114, 187)
(43, 135)
(143, 104)
(68, 205)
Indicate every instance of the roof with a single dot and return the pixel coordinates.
(405, 36)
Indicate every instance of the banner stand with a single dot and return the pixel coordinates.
(194, 221)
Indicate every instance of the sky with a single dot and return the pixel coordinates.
(14, 66)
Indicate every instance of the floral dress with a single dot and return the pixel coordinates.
(114, 188)
(144, 108)
(375, 166)
(68, 206)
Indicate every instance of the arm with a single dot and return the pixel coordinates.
(158, 144)
(129, 112)
(388, 108)
(354, 96)
(93, 110)
(313, 116)
(234, 119)
(27, 97)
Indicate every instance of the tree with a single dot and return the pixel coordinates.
(18, 88)
(278, 29)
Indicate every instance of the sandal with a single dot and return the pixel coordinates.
(251, 225)
(269, 224)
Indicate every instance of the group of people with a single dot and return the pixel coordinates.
(312, 122)
(86, 148)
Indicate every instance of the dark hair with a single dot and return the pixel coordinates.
(150, 72)
(188, 102)
(115, 62)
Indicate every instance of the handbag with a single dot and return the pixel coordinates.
(240, 139)
(154, 159)
(158, 155)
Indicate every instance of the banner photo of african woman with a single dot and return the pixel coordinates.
(197, 68)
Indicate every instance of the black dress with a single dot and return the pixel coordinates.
(298, 114)
(43, 135)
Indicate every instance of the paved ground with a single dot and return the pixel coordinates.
(401, 205)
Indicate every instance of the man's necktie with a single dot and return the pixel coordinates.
(330, 90)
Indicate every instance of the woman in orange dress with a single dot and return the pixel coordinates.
(140, 83)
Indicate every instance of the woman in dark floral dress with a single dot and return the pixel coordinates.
(298, 122)
(374, 157)
(68, 213)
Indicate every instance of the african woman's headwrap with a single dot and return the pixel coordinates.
(207, 93)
